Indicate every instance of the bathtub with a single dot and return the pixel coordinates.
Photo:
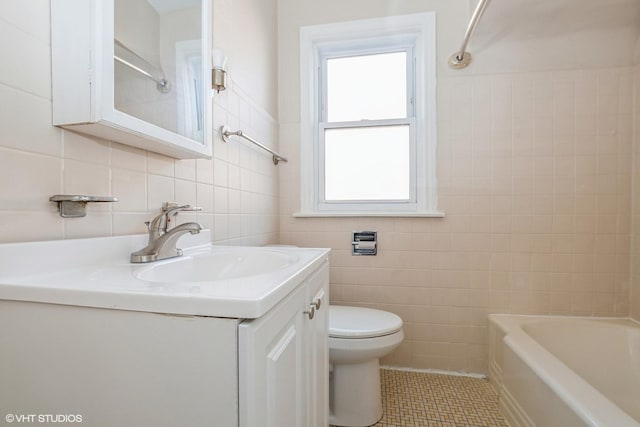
(566, 371)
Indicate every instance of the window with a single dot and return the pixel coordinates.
(368, 117)
(365, 127)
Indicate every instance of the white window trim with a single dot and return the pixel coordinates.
(422, 27)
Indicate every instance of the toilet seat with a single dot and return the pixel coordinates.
(360, 322)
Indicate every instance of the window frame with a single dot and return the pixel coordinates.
(363, 48)
(390, 34)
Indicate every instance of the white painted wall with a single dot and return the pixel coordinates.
(524, 35)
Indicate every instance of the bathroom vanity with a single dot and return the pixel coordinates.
(222, 336)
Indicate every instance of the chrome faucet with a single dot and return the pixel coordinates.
(163, 238)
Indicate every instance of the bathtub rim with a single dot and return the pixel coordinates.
(589, 404)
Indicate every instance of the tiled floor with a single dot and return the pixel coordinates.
(416, 399)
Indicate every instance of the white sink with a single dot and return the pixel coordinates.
(208, 280)
(214, 266)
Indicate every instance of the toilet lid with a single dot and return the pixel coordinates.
(359, 322)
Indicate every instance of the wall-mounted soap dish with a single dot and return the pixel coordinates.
(75, 205)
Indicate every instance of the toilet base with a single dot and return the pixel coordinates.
(356, 399)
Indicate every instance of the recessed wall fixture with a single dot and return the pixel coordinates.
(219, 73)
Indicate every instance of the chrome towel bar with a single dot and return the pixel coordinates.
(162, 84)
(226, 133)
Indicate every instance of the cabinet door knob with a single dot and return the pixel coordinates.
(317, 303)
(311, 312)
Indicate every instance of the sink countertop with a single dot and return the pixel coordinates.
(97, 273)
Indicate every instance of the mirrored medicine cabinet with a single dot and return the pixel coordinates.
(134, 71)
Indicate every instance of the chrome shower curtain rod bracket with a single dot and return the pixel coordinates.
(462, 58)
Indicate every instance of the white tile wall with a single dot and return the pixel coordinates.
(534, 175)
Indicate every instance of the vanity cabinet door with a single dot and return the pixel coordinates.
(317, 346)
(272, 366)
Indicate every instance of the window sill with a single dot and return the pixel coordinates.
(434, 214)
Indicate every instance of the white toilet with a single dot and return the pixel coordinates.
(358, 337)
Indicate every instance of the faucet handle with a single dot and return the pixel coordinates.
(167, 206)
(172, 209)
(148, 224)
